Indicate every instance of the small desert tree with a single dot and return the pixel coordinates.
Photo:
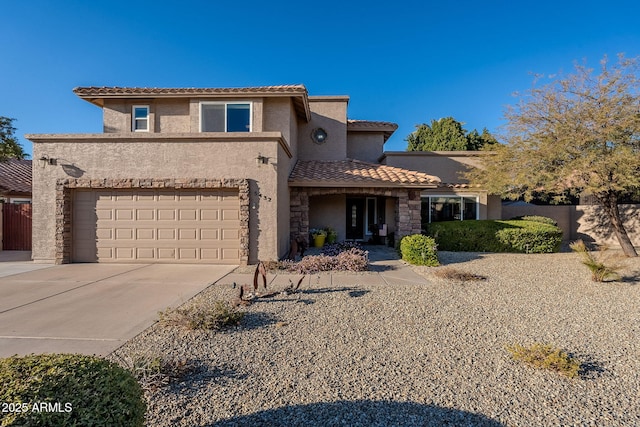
(578, 134)
(9, 145)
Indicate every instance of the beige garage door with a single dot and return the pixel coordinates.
(159, 225)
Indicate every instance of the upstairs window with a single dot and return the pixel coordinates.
(140, 122)
(225, 117)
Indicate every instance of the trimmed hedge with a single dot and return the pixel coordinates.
(69, 389)
(496, 236)
(419, 250)
(537, 218)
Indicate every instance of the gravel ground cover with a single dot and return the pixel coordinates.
(369, 354)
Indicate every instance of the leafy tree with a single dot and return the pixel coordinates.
(9, 146)
(447, 134)
(578, 134)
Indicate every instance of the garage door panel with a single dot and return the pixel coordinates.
(166, 214)
(187, 214)
(145, 214)
(157, 225)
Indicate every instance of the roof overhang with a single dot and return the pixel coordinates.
(386, 128)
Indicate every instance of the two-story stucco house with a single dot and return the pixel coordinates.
(219, 175)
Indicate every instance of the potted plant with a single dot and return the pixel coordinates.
(318, 236)
(332, 235)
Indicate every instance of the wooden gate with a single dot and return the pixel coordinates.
(16, 227)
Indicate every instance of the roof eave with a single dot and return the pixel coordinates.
(356, 184)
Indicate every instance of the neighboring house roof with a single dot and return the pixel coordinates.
(298, 93)
(372, 126)
(355, 173)
(15, 176)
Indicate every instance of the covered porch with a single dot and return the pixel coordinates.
(362, 201)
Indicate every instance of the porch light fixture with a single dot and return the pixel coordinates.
(262, 160)
(45, 160)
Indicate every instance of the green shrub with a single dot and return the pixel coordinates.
(72, 389)
(537, 218)
(546, 357)
(419, 250)
(496, 236)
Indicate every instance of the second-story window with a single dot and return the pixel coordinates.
(225, 117)
(140, 118)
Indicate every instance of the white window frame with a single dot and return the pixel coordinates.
(367, 231)
(134, 119)
(225, 103)
(459, 196)
(19, 200)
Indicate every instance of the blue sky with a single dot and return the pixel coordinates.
(406, 61)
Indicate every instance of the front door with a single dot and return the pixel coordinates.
(355, 218)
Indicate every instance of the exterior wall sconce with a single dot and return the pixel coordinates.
(45, 160)
(262, 160)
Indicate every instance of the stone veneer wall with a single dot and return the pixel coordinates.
(64, 188)
(407, 207)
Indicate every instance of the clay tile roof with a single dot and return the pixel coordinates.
(355, 173)
(115, 91)
(15, 176)
(96, 94)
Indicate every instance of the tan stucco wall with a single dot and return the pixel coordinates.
(447, 165)
(176, 115)
(329, 113)
(329, 211)
(96, 157)
(585, 222)
(365, 146)
(172, 116)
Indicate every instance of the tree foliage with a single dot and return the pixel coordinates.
(578, 134)
(447, 134)
(9, 146)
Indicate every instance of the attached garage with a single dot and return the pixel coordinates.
(163, 225)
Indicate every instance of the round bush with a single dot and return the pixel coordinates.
(69, 389)
(419, 250)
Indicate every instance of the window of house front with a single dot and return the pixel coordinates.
(140, 121)
(449, 208)
(225, 117)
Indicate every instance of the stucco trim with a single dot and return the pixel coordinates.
(198, 137)
(64, 209)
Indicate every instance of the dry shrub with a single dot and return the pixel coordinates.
(601, 268)
(203, 314)
(546, 357)
(152, 370)
(450, 273)
(352, 259)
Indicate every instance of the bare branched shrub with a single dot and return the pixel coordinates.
(152, 370)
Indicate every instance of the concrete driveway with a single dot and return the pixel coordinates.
(91, 308)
